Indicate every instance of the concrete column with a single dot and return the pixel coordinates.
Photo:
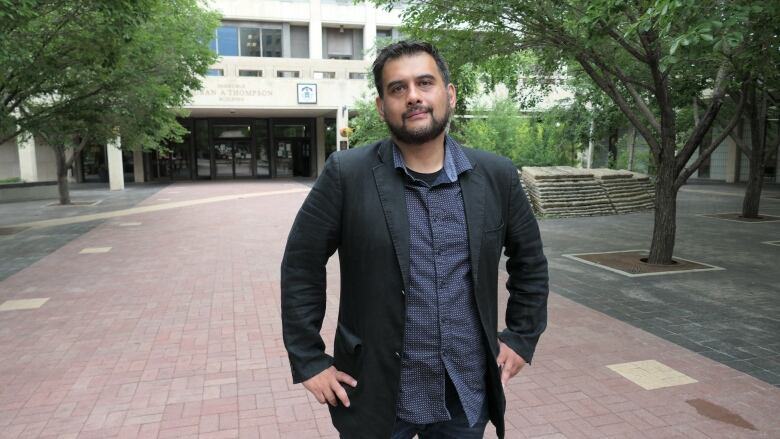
(315, 30)
(320, 150)
(286, 43)
(28, 161)
(138, 166)
(342, 120)
(116, 173)
(369, 31)
(732, 160)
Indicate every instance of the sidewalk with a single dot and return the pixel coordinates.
(169, 327)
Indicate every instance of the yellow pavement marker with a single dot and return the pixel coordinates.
(91, 250)
(651, 374)
(20, 304)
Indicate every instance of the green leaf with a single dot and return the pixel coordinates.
(674, 47)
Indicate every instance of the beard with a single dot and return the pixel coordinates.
(418, 136)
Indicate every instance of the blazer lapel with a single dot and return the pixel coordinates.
(390, 185)
(472, 185)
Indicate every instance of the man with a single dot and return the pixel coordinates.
(419, 223)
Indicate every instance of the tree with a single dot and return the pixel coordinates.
(760, 61)
(528, 140)
(47, 50)
(128, 81)
(366, 125)
(650, 57)
(758, 149)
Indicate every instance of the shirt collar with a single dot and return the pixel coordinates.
(455, 160)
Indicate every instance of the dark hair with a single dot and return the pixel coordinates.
(406, 48)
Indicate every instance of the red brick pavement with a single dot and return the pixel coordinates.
(176, 333)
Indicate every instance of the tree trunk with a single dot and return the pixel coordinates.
(664, 229)
(755, 183)
(62, 175)
(631, 147)
(590, 143)
(612, 148)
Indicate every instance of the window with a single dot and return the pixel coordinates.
(384, 34)
(324, 75)
(272, 43)
(215, 72)
(255, 73)
(248, 40)
(357, 75)
(288, 74)
(231, 131)
(299, 41)
(340, 43)
(227, 41)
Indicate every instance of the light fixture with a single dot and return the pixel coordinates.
(341, 28)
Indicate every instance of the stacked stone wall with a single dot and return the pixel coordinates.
(564, 191)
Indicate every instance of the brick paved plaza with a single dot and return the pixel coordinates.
(163, 320)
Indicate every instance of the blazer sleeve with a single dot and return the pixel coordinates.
(314, 237)
(526, 313)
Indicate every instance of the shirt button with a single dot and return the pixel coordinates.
(403, 293)
(396, 354)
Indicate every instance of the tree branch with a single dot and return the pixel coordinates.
(625, 44)
(76, 152)
(686, 172)
(610, 88)
(704, 125)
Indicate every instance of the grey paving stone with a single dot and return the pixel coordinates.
(20, 250)
(729, 315)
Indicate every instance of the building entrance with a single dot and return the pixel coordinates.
(293, 158)
(233, 158)
(292, 148)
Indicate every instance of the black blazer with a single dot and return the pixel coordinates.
(358, 207)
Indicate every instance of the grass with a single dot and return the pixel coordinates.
(10, 180)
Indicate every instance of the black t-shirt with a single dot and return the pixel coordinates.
(429, 179)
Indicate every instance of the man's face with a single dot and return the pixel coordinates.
(416, 105)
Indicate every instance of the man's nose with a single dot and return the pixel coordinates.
(413, 96)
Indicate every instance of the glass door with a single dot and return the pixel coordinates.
(284, 158)
(223, 158)
(242, 158)
(233, 158)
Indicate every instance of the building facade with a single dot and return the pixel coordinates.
(274, 103)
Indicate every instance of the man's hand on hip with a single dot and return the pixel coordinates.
(326, 386)
(509, 362)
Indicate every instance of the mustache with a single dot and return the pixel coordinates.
(417, 109)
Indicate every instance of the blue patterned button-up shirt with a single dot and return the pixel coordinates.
(442, 332)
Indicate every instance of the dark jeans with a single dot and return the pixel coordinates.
(456, 428)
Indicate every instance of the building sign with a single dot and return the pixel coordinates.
(232, 92)
(307, 93)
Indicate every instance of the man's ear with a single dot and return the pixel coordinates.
(380, 108)
(452, 95)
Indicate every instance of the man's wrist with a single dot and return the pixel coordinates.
(311, 368)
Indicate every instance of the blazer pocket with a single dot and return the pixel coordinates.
(347, 350)
(500, 226)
